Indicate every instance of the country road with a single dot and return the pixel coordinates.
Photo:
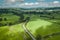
(27, 31)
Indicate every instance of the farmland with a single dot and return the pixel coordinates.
(42, 25)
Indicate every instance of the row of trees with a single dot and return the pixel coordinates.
(22, 19)
(1, 19)
(11, 23)
(48, 14)
(6, 11)
(5, 22)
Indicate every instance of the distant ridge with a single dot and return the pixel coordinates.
(42, 8)
(37, 8)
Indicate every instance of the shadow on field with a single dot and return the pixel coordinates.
(48, 32)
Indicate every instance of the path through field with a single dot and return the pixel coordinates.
(27, 31)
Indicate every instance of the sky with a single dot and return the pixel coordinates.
(29, 3)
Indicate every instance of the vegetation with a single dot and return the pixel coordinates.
(44, 25)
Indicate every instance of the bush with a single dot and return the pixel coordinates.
(5, 19)
(1, 19)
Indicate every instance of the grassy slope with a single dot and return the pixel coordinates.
(36, 26)
(14, 32)
(10, 18)
(40, 26)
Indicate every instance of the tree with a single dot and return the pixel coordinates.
(1, 19)
(10, 24)
(52, 17)
(38, 37)
(0, 24)
(5, 19)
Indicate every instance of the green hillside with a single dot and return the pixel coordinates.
(42, 25)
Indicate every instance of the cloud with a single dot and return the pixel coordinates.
(29, 4)
(13, 0)
(56, 2)
(41, 4)
(36, 4)
(40, 0)
(12, 3)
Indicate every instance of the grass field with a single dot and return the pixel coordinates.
(37, 26)
(14, 32)
(43, 27)
(10, 17)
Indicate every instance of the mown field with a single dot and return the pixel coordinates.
(45, 26)
(42, 26)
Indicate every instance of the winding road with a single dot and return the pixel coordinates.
(27, 31)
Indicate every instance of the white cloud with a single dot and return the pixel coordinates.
(36, 4)
(31, 3)
(56, 2)
(40, 0)
(27, 4)
(40, 4)
(12, 1)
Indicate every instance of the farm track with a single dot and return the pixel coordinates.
(27, 31)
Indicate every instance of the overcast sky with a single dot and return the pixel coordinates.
(29, 3)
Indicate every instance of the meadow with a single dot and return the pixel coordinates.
(44, 26)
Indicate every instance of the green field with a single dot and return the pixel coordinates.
(44, 26)
(14, 32)
(37, 25)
